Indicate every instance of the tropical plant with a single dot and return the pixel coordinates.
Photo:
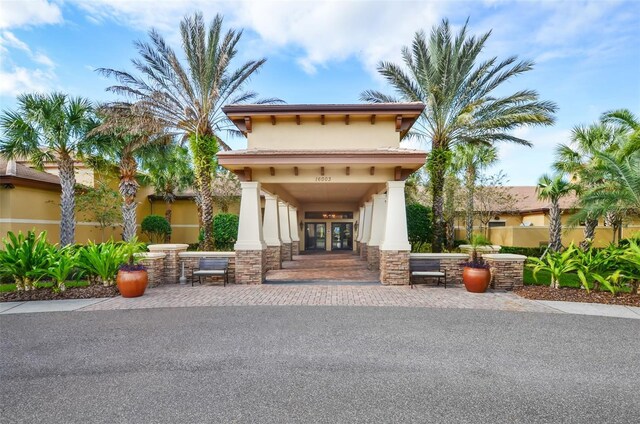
(556, 264)
(476, 242)
(50, 128)
(553, 189)
(446, 74)
(631, 257)
(187, 97)
(63, 263)
(130, 249)
(25, 258)
(101, 261)
(156, 228)
(100, 204)
(595, 265)
(225, 230)
(169, 171)
(470, 159)
(629, 124)
(418, 225)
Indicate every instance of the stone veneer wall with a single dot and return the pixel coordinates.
(363, 251)
(286, 252)
(154, 262)
(191, 259)
(274, 255)
(251, 266)
(451, 262)
(373, 257)
(171, 272)
(394, 267)
(295, 248)
(506, 270)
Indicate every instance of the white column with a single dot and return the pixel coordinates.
(293, 223)
(271, 225)
(361, 224)
(366, 233)
(250, 225)
(378, 218)
(395, 232)
(285, 232)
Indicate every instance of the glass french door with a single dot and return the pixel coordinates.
(342, 236)
(315, 236)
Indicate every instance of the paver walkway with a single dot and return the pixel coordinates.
(343, 267)
(351, 295)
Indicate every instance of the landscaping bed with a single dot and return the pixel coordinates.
(87, 292)
(568, 294)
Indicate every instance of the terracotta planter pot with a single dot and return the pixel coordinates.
(476, 280)
(132, 283)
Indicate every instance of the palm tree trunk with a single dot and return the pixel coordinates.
(471, 185)
(437, 165)
(128, 189)
(167, 216)
(206, 208)
(589, 233)
(201, 148)
(67, 199)
(555, 227)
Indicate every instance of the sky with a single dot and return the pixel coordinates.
(587, 53)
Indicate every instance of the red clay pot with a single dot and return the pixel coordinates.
(476, 280)
(132, 283)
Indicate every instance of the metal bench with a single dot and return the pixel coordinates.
(425, 267)
(208, 267)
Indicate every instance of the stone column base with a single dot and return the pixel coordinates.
(363, 251)
(171, 273)
(394, 267)
(251, 266)
(285, 252)
(506, 270)
(356, 251)
(373, 257)
(295, 248)
(274, 257)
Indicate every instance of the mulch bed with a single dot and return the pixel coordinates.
(577, 295)
(71, 293)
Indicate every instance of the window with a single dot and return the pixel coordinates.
(493, 224)
(328, 215)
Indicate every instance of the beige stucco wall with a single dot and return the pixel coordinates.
(312, 135)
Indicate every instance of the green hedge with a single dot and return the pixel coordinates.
(156, 227)
(526, 251)
(419, 226)
(225, 231)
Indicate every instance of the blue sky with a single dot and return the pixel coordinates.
(587, 53)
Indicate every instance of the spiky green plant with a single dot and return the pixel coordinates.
(25, 258)
(556, 263)
(101, 261)
(63, 263)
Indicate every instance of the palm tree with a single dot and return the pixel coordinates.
(470, 159)
(122, 139)
(446, 74)
(553, 189)
(629, 124)
(187, 97)
(169, 171)
(50, 128)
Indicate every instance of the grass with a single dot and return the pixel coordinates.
(12, 287)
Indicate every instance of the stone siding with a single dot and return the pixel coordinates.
(191, 259)
(506, 270)
(373, 257)
(171, 272)
(251, 266)
(154, 262)
(394, 267)
(286, 252)
(274, 255)
(363, 251)
(295, 248)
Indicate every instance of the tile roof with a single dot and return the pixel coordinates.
(18, 170)
(527, 199)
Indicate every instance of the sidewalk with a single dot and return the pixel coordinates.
(322, 295)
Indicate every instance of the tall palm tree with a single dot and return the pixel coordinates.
(553, 189)
(579, 160)
(446, 73)
(169, 171)
(471, 159)
(629, 124)
(50, 128)
(187, 96)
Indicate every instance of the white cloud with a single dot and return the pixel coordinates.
(19, 80)
(16, 79)
(17, 13)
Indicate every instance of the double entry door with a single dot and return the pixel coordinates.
(316, 236)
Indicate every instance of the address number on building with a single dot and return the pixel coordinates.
(323, 179)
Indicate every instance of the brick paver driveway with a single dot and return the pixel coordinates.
(328, 295)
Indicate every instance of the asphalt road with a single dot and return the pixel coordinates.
(318, 364)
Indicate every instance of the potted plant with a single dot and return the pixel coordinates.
(132, 278)
(476, 275)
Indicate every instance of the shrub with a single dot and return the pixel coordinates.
(418, 225)
(225, 230)
(556, 264)
(156, 228)
(62, 264)
(26, 258)
(526, 251)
